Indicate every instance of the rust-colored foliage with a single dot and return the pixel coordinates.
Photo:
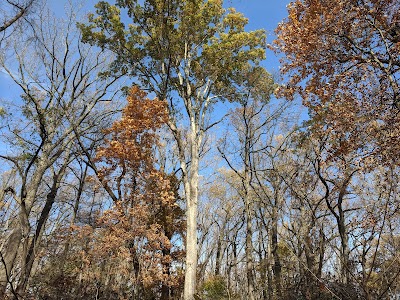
(130, 252)
(134, 136)
(343, 58)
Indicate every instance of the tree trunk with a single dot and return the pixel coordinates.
(321, 252)
(29, 259)
(218, 256)
(248, 210)
(274, 249)
(8, 255)
(249, 250)
(235, 263)
(191, 182)
(344, 239)
(345, 253)
(221, 246)
(191, 248)
(263, 262)
(165, 289)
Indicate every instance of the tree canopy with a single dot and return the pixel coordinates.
(342, 57)
(146, 152)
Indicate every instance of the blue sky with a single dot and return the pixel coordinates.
(264, 14)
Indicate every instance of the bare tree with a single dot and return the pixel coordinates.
(62, 89)
(13, 12)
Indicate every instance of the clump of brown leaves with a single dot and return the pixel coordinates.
(342, 57)
(129, 251)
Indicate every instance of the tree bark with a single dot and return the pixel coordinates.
(29, 259)
(220, 248)
(277, 268)
(8, 256)
(191, 182)
(246, 179)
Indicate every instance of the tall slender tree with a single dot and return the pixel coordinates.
(191, 53)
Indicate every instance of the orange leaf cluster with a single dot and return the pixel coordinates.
(133, 238)
(342, 57)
